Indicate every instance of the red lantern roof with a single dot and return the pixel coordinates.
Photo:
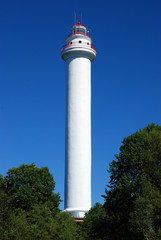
(78, 24)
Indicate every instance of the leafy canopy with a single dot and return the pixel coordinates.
(133, 197)
(29, 208)
(28, 185)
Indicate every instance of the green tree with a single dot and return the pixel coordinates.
(28, 185)
(39, 224)
(29, 208)
(65, 227)
(4, 210)
(133, 199)
(94, 225)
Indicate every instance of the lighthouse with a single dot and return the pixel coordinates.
(78, 53)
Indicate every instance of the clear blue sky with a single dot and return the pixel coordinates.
(126, 80)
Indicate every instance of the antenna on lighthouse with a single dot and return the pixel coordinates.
(74, 18)
(78, 19)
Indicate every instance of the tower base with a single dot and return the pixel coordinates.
(79, 220)
(77, 214)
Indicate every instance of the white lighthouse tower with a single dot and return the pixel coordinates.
(78, 52)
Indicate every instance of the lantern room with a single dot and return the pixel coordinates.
(79, 29)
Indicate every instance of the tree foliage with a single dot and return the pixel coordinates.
(39, 224)
(133, 199)
(29, 208)
(28, 185)
(94, 225)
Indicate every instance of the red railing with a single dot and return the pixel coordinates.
(82, 33)
(77, 44)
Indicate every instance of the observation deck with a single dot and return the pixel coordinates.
(78, 44)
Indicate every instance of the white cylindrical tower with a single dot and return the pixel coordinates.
(78, 54)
